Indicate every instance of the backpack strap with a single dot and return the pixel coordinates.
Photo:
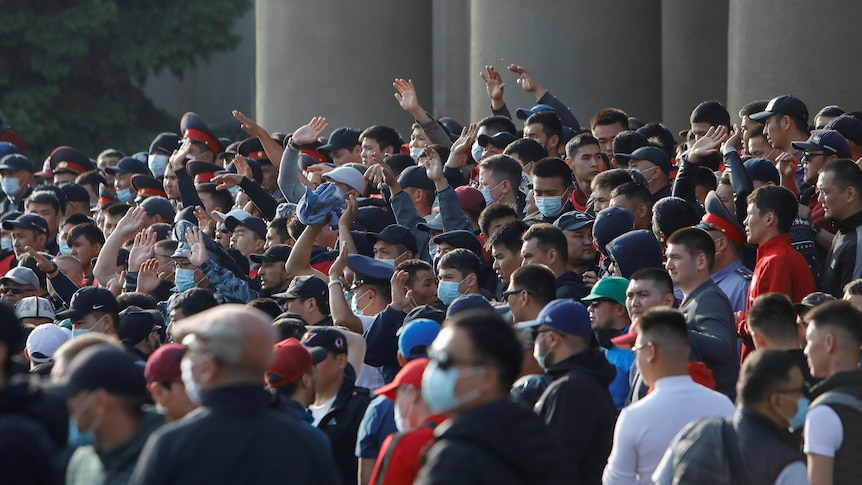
(857, 269)
(731, 450)
(840, 398)
(390, 450)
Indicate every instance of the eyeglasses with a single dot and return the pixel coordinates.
(446, 361)
(507, 294)
(536, 331)
(798, 390)
(11, 289)
(595, 303)
(643, 346)
(806, 155)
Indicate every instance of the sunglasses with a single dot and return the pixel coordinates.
(446, 361)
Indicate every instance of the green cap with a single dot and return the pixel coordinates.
(613, 287)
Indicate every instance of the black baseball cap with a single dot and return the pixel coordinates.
(136, 324)
(341, 138)
(327, 338)
(829, 140)
(275, 253)
(165, 142)
(107, 367)
(128, 165)
(654, 155)
(787, 105)
(14, 162)
(416, 176)
(75, 193)
(90, 299)
(395, 234)
(499, 140)
(849, 126)
(305, 286)
(256, 224)
(460, 239)
(34, 222)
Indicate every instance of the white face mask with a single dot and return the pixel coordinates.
(193, 387)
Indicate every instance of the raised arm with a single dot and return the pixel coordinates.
(106, 263)
(529, 83)
(289, 179)
(409, 101)
(338, 306)
(271, 147)
(299, 261)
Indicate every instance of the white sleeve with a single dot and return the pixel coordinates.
(663, 474)
(622, 463)
(793, 474)
(823, 433)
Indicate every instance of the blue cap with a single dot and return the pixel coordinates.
(34, 222)
(567, 316)
(7, 148)
(829, 140)
(395, 234)
(472, 301)
(369, 270)
(129, 165)
(762, 169)
(573, 220)
(415, 337)
(611, 223)
(653, 155)
(14, 162)
(524, 113)
(499, 140)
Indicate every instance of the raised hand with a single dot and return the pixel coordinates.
(733, 141)
(787, 165)
(401, 297)
(350, 209)
(527, 81)
(198, 253)
(115, 284)
(227, 180)
(494, 85)
(242, 167)
(149, 277)
(461, 147)
(133, 221)
(406, 95)
(178, 158)
(42, 263)
(248, 125)
(713, 138)
(340, 263)
(433, 164)
(142, 249)
(381, 172)
(309, 133)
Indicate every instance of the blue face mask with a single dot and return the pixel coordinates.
(124, 195)
(158, 164)
(354, 304)
(447, 291)
(77, 438)
(549, 206)
(438, 387)
(476, 151)
(5, 243)
(416, 152)
(233, 190)
(537, 354)
(184, 279)
(77, 332)
(798, 419)
(64, 246)
(11, 186)
(486, 193)
(432, 250)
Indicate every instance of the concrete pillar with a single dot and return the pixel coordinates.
(213, 88)
(694, 58)
(591, 54)
(451, 61)
(800, 47)
(338, 59)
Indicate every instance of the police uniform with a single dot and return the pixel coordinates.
(66, 159)
(194, 128)
(368, 271)
(734, 279)
(146, 186)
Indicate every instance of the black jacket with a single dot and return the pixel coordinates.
(840, 262)
(571, 285)
(34, 429)
(847, 467)
(580, 413)
(235, 438)
(500, 443)
(341, 425)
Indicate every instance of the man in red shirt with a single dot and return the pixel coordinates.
(399, 456)
(779, 268)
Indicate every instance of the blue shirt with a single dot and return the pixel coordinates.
(377, 423)
(732, 282)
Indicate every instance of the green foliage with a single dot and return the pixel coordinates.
(70, 71)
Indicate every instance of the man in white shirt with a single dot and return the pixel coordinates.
(645, 429)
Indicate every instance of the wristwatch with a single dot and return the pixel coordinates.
(336, 281)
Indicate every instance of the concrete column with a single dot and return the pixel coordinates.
(591, 54)
(451, 60)
(800, 47)
(338, 59)
(213, 88)
(694, 58)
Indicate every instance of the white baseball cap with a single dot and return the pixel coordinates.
(347, 175)
(44, 340)
(34, 307)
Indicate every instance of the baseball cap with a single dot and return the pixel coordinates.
(415, 176)
(161, 206)
(433, 222)
(573, 220)
(416, 336)
(164, 364)
(276, 252)
(33, 222)
(343, 137)
(327, 338)
(524, 113)
(654, 155)
(305, 286)
(464, 303)
(34, 307)
(786, 104)
(90, 299)
(107, 367)
(165, 142)
(237, 214)
(627, 340)
(256, 224)
(425, 311)
(613, 287)
(762, 169)
(395, 234)
(368, 270)
(829, 140)
(75, 193)
(499, 140)
(290, 361)
(850, 128)
(14, 162)
(409, 375)
(812, 300)
(460, 239)
(22, 276)
(567, 316)
(44, 340)
(371, 218)
(347, 175)
(128, 165)
(470, 198)
(136, 324)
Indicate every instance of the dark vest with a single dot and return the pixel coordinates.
(847, 466)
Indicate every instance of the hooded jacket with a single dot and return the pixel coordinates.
(500, 443)
(580, 414)
(635, 250)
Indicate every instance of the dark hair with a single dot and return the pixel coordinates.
(831, 111)
(854, 287)
(553, 167)
(412, 267)
(611, 179)
(494, 342)
(110, 153)
(221, 198)
(75, 219)
(672, 214)
(266, 305)
(399, 162)
(550, 121)
(526, 150)
(696, 241)
(628, 141)
(667, 326)
(504, 167)
(660, 136)
(838, 314)
(548, 237)
(764, 372)
(138, 299)
(509, 236)
(495, 211)
(704, 177)
(116, 209)
(295, 227)
(442, 151)
(578, 141)
(538, 280)
(496, 124)
(192, 301)
(41, 197)
(661, 280)
(610, 116)
(772, 315)
(11, 334)
(752, 108)
(463, 260)
(778, 200)
(385, 136)
(711, 113)
(93, 178)
(634, 191)
(88, 231)
(289, 327)
(845, 173)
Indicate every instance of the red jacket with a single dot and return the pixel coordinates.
(402, 464)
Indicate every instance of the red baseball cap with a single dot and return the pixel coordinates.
(164, 364)
(627, 340)
(409, 375)
(290, 361)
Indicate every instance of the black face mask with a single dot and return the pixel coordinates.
(604, 336)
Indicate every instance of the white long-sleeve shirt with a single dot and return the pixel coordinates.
(646, 428)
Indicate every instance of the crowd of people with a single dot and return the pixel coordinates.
(519, 300)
